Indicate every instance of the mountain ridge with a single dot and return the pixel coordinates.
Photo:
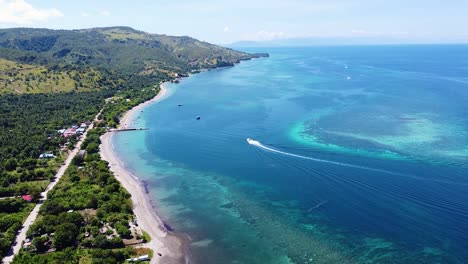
(123, 55)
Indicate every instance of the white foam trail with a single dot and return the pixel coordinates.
(317, 206)
(260, 145)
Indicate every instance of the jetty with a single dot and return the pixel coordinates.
(127, 129)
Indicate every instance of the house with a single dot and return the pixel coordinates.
(27, 244)
(140, 258)
(80, 130)
(61, 131)
(70, 132)
(83, 125)
(143, 258)
(28, 198)
(103, 230)
(46, 156)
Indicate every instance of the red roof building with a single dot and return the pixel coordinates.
(27, 198)
(69, 132)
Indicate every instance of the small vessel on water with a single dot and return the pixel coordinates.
(254, 142)
(198, 117)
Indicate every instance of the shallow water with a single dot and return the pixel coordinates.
(362, 157)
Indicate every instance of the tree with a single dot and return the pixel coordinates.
(93, 203)
(4, 246)
(100, 241)
(75, 218)
(10, 164)
(51, 207)
(8, 221)
(65, 235)
(11, 205)
(40, 243)
(92, 148)
(40, 173)
(35, 192)
(122, 230)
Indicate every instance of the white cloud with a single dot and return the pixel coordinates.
(268, 35)
(105, 13)
(85, 14)
(22, 13)
(226, 29)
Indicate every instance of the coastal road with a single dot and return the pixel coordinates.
(16, 246)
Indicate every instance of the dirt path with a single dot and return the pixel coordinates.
(16, 246)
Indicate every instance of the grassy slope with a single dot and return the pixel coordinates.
(27, 78)
(43, 60)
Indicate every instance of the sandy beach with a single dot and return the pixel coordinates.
(167, 247)
(128, 116)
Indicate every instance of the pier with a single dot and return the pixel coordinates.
(127, 129)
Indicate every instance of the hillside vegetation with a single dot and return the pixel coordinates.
(26, 78)
(44, 60)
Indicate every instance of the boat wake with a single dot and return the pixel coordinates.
(317, 206)
(264, 147)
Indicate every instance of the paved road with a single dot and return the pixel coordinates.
(33, 215)
(12, 197)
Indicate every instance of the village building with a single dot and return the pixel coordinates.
(46, 156)
(70, 132)
(140, 258)
(28, 198)
(80, 130)
(26, 245)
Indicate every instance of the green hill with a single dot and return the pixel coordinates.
(27, 78)
(100, 57)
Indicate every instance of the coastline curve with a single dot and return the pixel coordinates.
(167, 246)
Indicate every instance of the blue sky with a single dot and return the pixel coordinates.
(222, 21)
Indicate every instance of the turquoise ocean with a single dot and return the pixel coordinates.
(357, 155)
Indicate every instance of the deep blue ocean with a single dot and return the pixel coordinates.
(362, 157)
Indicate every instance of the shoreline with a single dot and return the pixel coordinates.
(128, 116)
(163, 242)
